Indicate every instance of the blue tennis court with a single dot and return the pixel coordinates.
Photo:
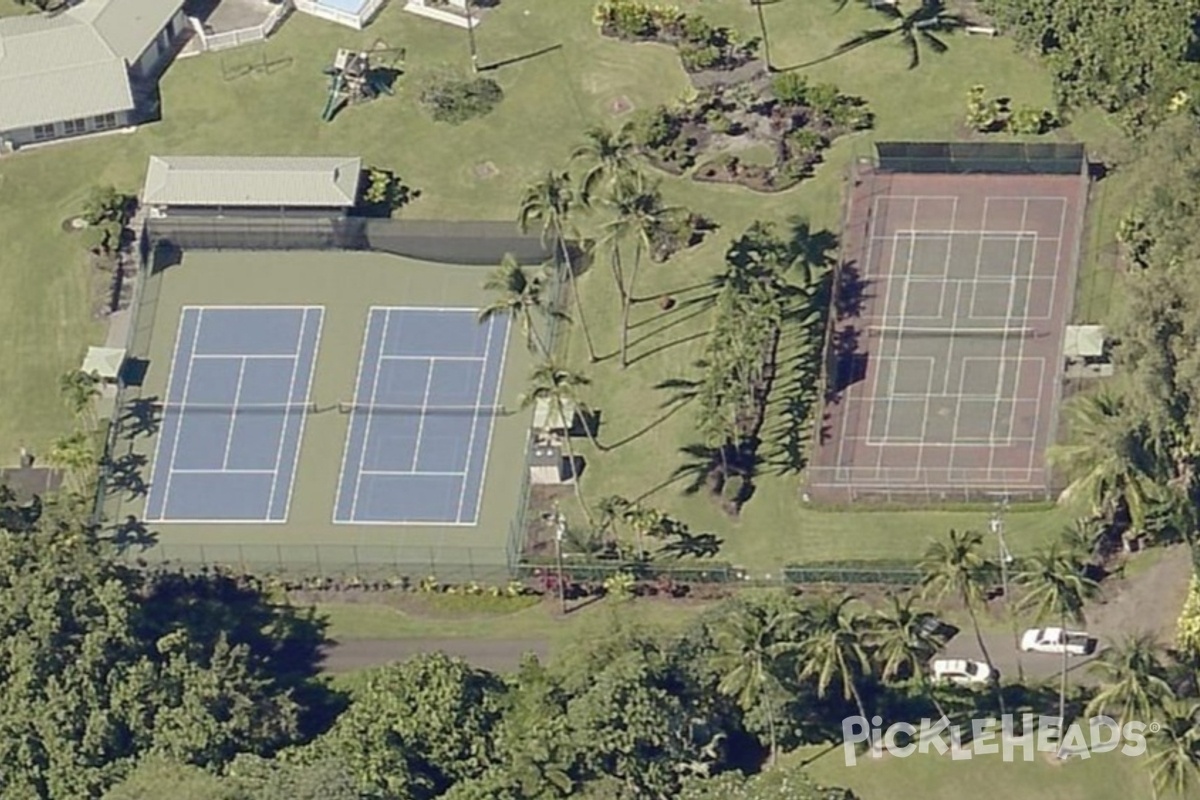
(234, 414)
(422, 416)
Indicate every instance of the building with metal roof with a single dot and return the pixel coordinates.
(233, 183)
(78, 71)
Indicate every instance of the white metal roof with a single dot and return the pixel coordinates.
(128, 26)
(57, 68)
(105, 362)
(1084, 341)
(269, 181)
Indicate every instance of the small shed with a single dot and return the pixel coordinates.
(547, 417)
(547, 465)
(104, 362)
(1084, 342)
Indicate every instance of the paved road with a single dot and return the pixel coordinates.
(497, 655)
(1148, 602)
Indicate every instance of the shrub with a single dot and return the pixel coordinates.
(620, 585)
(106, 204)
(1187, 630)
(982, 114)
(653, 128)
(790, 88)
(823, 98)
(805, 143)
(449, 97)
(698, 57)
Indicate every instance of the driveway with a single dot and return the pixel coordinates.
(497, 655)
(1149, 602)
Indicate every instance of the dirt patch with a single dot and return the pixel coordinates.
(1149, 601)
(486, 171)
(620, 105)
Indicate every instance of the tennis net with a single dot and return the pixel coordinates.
(916, 332)
(423, 410)
(237, 408)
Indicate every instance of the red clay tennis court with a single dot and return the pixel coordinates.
(946, 344)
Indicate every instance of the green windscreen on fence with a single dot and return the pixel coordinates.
(1005, 158)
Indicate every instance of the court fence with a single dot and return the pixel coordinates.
(1005, 158)
(473, 243)
(160, 242)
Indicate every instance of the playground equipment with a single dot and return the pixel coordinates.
(353, 79)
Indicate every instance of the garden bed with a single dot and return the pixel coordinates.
(714, 135)
(702, 47)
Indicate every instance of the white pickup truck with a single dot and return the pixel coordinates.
(1057, 640)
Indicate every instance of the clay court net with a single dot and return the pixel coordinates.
(916, 332)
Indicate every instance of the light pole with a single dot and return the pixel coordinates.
(560, 532)
(471, 36)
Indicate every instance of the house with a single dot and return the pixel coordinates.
(82, 70)
(251, 186)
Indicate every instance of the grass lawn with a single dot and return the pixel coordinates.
(1109, 776)
(10, 8)
(539, 621)
(216, 104)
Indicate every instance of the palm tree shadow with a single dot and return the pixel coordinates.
(140, 418)
(518, 59)
(672, 405)
(132, 533)
(675, 321)
(668, 345)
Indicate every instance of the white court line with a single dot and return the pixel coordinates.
(222, 471)
(487, 451)
(287, 412)
(250, 357)
(158, 446)
(350, 428)
(1012, 414)
(215, 522)
(246, 306)
(312, 371)
(895, 364)
(430, 473)
(421, 419)
(887, 305)
(1012, 302)
(487, 347)
(426, 358)
(187, 380)
(1062, 224)
(362, 456)
(237, 394)
(1037, 416)
(410, 523)
(984, 232)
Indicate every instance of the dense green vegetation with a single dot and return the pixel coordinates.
(119, 683)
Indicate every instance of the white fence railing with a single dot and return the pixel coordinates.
(211, 42)
(357, 21)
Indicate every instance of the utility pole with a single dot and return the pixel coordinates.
(560, 533)
(996, 526)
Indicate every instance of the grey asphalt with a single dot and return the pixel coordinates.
(497, 655)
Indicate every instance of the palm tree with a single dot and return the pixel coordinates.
(1107, 459)
(752, 641)
(552, 200)
(834, 649)
(1056, 587)
(78, 389)
(639, 214)
(521, 297)
(900, 644)
(562, 388)
(1175, 758)
(958, 567)
(1132, 679)
(75, 454)
(916, 29)
(608, 156)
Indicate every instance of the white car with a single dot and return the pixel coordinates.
(962, 671)
(1057, 641)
